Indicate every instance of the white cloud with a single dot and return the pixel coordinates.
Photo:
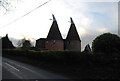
(90, 18)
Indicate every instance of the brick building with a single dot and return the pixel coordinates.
(54, 40)
(72, 41)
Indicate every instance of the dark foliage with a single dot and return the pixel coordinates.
(26, 44)
(6, 43)
(65, 57)
(106, 43)
(80, 64)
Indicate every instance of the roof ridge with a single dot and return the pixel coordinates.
(54, 32)
(72, 33)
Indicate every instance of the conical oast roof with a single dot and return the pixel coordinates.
(54, 33)
(72, 33)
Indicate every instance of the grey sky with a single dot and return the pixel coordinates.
(91, 19)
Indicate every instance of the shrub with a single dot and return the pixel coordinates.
(106, 43)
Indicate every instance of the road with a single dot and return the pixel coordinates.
(12, 69)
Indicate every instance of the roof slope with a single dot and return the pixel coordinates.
(72, 33)
(54, 33)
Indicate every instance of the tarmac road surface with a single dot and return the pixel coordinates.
(12, 69)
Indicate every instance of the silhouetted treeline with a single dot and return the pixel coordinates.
(66, 57)
(6, 43)
(102, 62)
(106, 43)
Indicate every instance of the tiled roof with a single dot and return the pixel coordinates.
(72, 33)
(54, 33)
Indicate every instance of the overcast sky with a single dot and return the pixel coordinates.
(90, 17)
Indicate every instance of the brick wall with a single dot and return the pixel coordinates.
(57, 45)
(73, 45)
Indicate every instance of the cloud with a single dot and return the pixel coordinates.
(91, 18)
(103, 15)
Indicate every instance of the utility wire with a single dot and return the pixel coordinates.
(26, 14)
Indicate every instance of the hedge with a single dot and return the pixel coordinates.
(65, 57)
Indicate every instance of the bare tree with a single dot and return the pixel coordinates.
(20, 42)
(24, 43)
(6, 5)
